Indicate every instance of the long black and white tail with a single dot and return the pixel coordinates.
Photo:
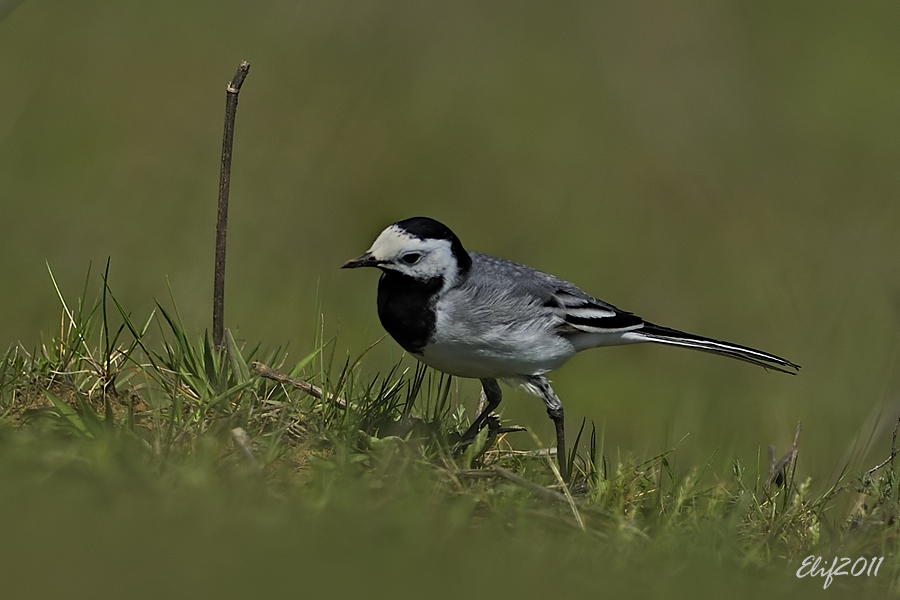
(664, 335)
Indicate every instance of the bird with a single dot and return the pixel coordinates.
(477, 316)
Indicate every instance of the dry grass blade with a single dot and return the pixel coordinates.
(778, 470)
(242, 441)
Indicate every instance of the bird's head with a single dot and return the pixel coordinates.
(420, 248)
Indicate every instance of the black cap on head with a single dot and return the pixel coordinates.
(427, 228)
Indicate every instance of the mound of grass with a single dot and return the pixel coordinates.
(137, 457)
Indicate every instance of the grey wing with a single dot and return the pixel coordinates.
(587, 322)
(574, 311)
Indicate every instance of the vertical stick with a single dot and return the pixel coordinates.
(231, 100)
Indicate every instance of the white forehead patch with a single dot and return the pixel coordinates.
(392, 242)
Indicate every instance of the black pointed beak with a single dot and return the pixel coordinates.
(364, 260)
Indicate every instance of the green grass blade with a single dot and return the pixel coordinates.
(66, 412)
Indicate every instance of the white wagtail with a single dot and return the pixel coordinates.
(473, 315)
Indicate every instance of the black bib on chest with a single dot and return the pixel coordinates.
(406, 308)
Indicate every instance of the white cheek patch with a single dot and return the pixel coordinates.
(437, 261)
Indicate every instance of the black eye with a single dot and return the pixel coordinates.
(411, 258)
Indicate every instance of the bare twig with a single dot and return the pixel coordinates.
(231, 100)
(473, 473)
(888, 461)
(304, 386)
(537, 453)
(894, 443)
(538, 490)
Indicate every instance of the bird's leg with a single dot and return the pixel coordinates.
(539, 385)
(492, 395)
(482, 401)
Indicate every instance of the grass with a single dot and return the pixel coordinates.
(128, 441)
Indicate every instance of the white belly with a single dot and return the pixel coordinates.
(496, 352)
(469, 361)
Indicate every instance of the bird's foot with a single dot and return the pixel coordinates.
(492, 422)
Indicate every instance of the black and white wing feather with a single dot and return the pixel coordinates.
(580, 313)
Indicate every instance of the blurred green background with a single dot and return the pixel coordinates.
(727, 168)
